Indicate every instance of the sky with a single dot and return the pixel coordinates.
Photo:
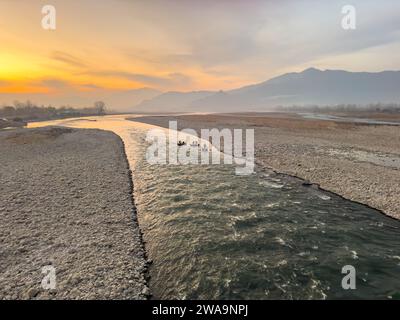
(104, 48)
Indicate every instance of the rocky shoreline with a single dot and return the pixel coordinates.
(66, 205)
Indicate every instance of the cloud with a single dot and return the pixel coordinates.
(67, 59)
(62, 86)
(91, 86)
(54, 83)
(171, 79)
(179, 77)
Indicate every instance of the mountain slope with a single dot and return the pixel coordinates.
(312, 86)
(124, 101)
(171, 101)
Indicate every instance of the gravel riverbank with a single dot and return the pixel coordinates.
(66, 202)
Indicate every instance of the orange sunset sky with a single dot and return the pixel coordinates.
(101, 48)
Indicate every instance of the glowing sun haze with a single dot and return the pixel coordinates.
(104, 47)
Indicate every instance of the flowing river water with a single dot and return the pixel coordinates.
(215, 235)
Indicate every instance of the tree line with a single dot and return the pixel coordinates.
(25, 111)
(373, 107)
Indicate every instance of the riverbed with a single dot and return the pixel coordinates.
(215, 235)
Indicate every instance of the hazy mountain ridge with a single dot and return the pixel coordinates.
(311, 86)
(124, 100)
(173, 101)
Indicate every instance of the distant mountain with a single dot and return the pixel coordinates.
(312, 86)
(125, 100)
(171, 101)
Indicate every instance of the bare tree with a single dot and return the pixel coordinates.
(100, 106)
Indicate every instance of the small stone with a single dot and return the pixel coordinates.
(31, 293)
(146, 291)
